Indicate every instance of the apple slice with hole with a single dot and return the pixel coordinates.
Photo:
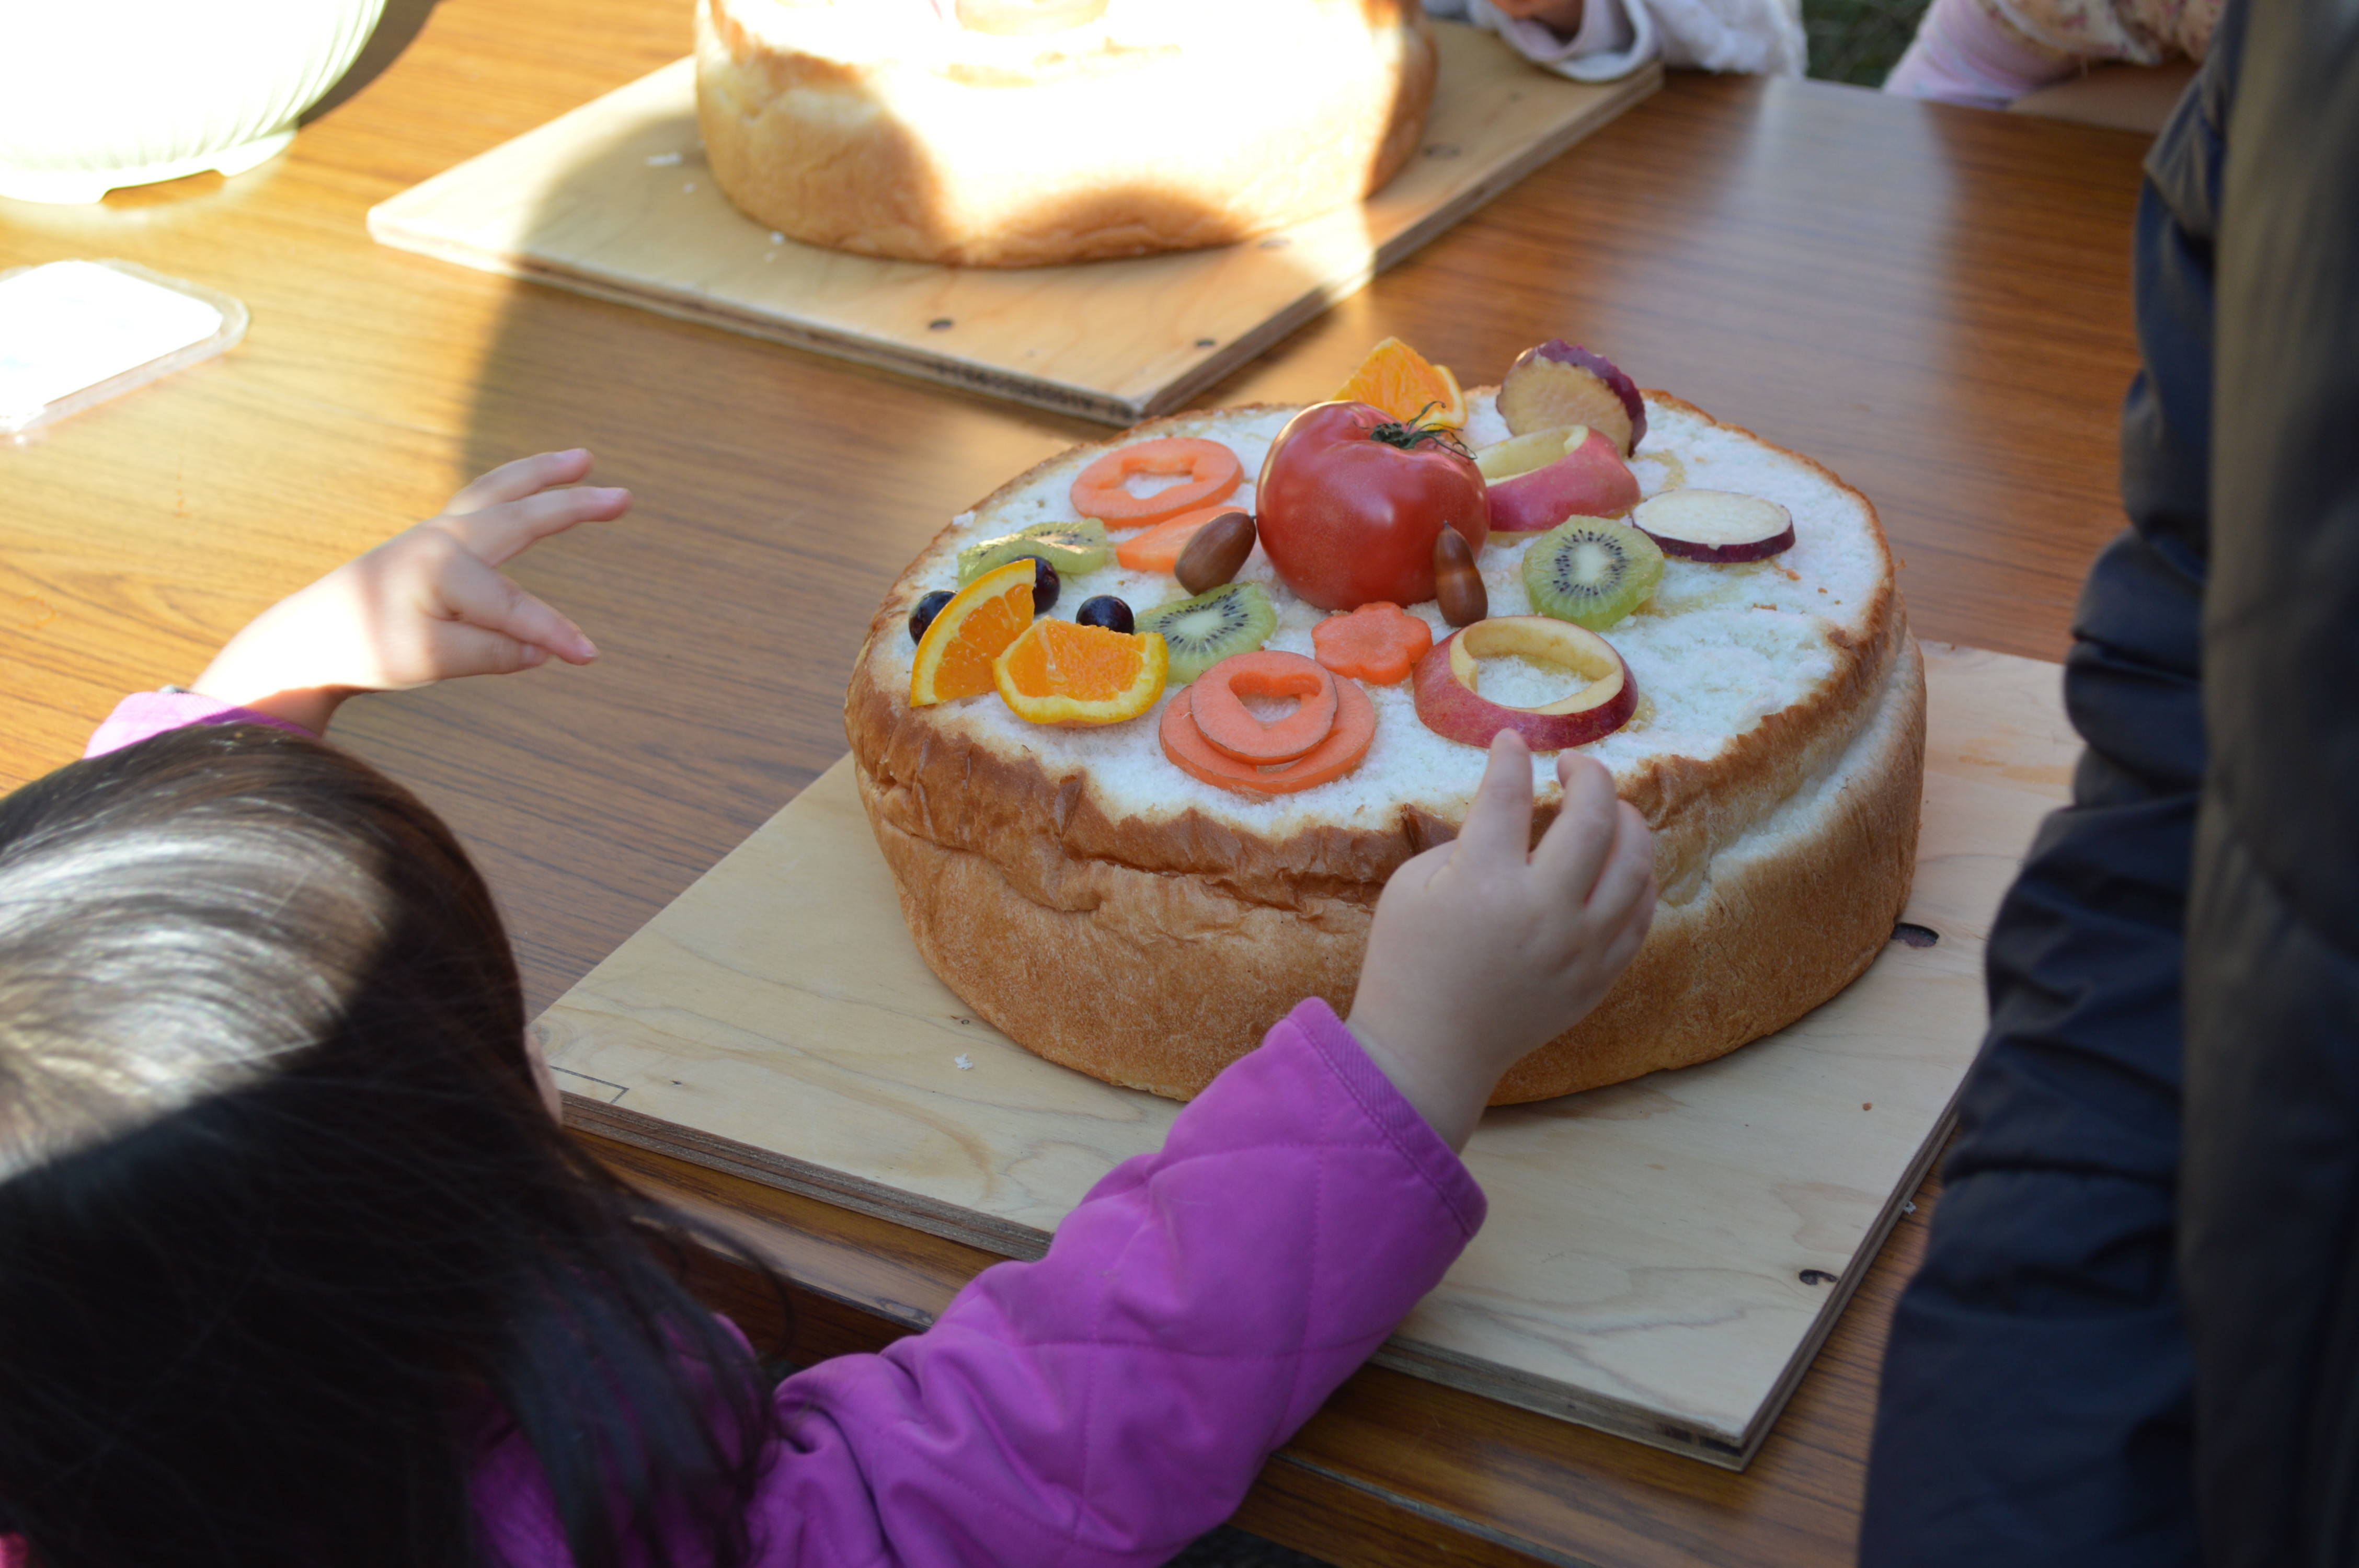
(1451, 708)
(1590, 480)
(1522, 454)
(1562, 383)
(1714, 525)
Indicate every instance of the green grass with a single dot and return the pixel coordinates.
(1858, 40)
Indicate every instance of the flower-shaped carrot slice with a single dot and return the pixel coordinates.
(1379, 642)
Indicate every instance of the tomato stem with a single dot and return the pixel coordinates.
(1414, 432)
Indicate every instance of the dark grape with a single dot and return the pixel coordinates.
(1104, 610)
(927, 607)
(1044, 585)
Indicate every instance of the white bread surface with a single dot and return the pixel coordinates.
(1112, 912)
(1163, 125)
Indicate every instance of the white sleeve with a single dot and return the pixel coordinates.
(1617, 37)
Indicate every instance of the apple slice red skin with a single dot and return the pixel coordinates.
(1454, 711)
(1732, 554)
(1605, 370)
(1591, 481)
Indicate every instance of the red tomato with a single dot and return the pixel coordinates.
(1351, 499)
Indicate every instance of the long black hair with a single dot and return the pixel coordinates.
(286, 1235)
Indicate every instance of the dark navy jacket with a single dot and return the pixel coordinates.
(2136, 1337)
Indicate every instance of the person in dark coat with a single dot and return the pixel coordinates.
(2136, 1335)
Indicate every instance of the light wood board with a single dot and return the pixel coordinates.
(615, 199)
(1662, 1256)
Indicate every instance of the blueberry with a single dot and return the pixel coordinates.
(1104, 610)
(927, 607)
(1044, 585)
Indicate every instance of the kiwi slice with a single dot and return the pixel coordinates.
(1591, 571)
(1235, 618)
(1071, 548)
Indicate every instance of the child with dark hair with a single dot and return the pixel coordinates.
(299, 1271)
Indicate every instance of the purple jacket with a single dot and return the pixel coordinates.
(1112, 1401)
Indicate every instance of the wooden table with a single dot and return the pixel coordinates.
(1932, 301)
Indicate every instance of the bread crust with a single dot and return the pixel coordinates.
(1151, 949)
(1157, 981)
(974, 159)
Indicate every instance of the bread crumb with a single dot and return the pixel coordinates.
(689, 186)
(663, 161)
(965, 1064)
(1867, 1105)
(778, 239)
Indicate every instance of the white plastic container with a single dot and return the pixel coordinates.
(75, 334)
(100, 94)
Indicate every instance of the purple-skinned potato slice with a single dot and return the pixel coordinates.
(1714, 525)
(1558, 383)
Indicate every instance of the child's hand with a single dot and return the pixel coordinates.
(1482, 952)
(424, 606)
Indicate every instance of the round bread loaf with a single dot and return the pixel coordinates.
(880, 128)
(1113, 913)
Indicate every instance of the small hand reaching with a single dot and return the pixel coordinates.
(1485, 948)
(429, 604)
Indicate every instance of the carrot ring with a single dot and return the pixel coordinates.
(1212, 469)
(1355, 726)
(1229, 728)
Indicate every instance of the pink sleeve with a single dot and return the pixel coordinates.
(146, 713)
(1114, 1400)
(1963, 54)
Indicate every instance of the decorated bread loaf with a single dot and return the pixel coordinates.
(1165, 816)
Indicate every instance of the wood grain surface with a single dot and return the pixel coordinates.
(1932, 301)
(616, 199)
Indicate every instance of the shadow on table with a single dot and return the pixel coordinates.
(397, 27)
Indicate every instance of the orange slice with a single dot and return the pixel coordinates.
(954, 655)
(1406, 385)
(1059, 672)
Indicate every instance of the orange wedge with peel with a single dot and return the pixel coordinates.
(974, 628)
(1406, 385)
(1059, 672)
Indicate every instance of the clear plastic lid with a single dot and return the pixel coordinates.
(75, 334)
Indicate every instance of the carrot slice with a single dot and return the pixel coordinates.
(1355, 726)
(1212, 469)
(1379, 642)
(1229, 728)
(1159, 549)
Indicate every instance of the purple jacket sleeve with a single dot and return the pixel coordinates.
(146, 713)
(1114, 1400)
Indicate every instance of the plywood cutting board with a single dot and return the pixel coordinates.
(1662, 1258)
(614, 200)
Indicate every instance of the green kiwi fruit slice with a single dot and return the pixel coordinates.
(1235, 618)
(1071, 548)
(1591, 571)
